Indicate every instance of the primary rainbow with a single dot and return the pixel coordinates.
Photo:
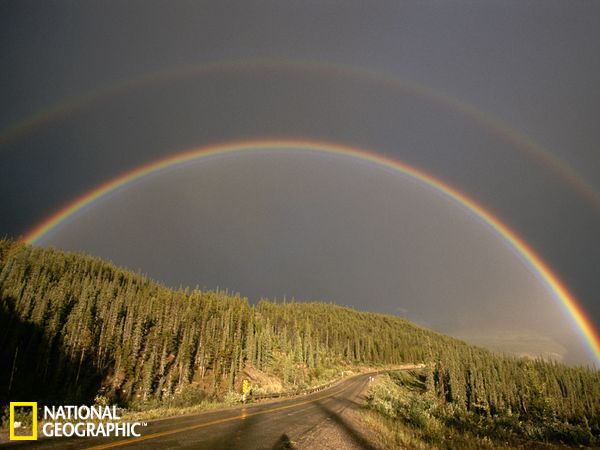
(569, 303)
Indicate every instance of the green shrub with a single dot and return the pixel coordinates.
(189, 396)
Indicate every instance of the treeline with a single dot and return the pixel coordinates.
(73, 326)
(490, 403)
(507, 397)
(474, 381)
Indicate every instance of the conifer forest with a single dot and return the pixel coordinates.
(74, 327)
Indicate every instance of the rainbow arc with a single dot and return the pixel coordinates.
(549, 278)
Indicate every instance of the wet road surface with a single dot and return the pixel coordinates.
(274, 425)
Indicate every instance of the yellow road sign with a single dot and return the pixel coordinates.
(244, 386)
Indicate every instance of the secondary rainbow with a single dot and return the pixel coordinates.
(485, 120)
(559, 290)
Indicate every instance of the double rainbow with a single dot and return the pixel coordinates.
(560, 292)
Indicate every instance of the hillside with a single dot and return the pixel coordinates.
(73, 327)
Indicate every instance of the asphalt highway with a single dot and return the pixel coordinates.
(273, 425)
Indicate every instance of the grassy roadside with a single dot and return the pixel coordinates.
(403, 414)
(233, 399)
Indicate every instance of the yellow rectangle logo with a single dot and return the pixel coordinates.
(33, 435)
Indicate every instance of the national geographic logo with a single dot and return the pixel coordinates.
(12, 422)
(69, 421)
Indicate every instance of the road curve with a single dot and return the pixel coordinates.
(274, 425)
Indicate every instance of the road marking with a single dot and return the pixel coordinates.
(214, 422)
(299, 411)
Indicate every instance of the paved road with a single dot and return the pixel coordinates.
(275, 425)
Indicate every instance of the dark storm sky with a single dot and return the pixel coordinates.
(533, 65)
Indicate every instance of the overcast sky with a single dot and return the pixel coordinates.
(90, 90)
